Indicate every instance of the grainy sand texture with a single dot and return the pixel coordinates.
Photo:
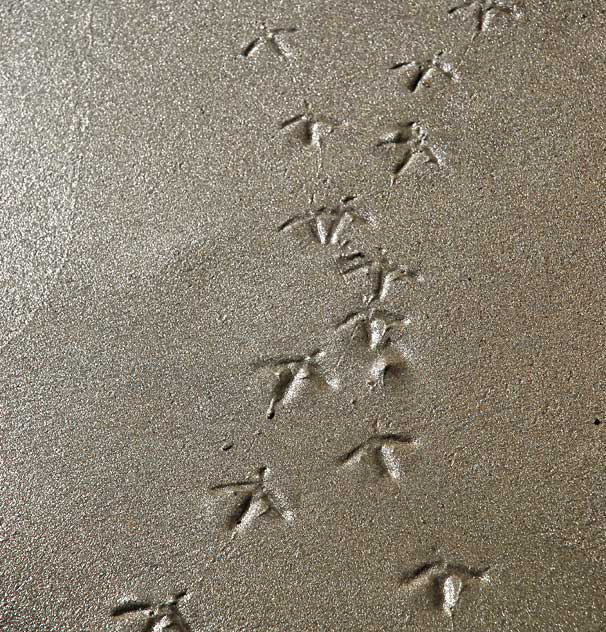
(302, 317)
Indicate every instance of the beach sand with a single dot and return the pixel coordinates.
(303, 316)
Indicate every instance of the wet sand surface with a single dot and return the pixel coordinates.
(302, 316)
